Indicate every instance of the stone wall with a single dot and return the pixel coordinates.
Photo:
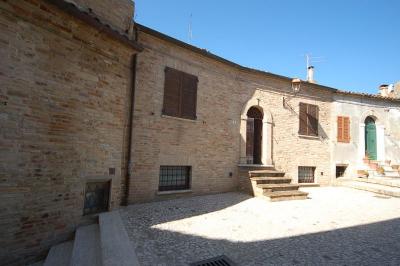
(211, 144)
(64, 91)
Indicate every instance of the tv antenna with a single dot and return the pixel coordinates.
(310, 60)
(190, 30)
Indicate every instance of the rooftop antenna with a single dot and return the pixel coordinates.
(312, 59)
(190, 31)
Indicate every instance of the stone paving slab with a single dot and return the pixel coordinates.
(337, 226)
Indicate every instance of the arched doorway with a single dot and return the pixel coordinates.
(254, 134)
(370, 138)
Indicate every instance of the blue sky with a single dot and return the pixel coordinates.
(358, 40)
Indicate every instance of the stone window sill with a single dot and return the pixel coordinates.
(308, 137)
(180, 118)
(174, 192)
(308, 184)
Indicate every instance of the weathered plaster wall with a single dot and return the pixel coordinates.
(64, 90)
(211, 144)
(387, 122)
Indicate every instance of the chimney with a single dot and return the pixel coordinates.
(383, 90)
(310, 74)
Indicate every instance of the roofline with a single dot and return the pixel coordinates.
(207, 54)
(92, 20)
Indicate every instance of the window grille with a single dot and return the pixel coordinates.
(306, 174)
(96, 197)
(174, 178)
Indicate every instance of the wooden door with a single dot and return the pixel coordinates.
(370, 138)
(249, 140)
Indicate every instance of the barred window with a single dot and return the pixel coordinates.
(174, 178)
(96, 197)
(306, 174)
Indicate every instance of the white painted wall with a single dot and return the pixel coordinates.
(387, 115)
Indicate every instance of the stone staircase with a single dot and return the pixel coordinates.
(383, 178)
(103, 244)
(374, 169)
(388, 186)
(273, 185)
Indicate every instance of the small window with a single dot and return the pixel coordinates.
(96, 197)
(343, 129)
(174, 178)
(308, 119)
(340, 170)
(180, 94)
(306, 174)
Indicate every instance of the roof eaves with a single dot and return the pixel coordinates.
(92, 20)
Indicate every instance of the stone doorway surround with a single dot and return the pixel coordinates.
(380, 136)
(266, 145)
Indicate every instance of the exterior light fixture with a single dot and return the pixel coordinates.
(296, 83)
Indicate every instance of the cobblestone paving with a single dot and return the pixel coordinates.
(337, 226)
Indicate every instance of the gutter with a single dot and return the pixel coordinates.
(131, 108)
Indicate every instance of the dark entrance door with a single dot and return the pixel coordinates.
(370, 138)
(254, 135)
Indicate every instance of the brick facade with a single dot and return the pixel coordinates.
(65, 100)
(211, 144)
(64, 90)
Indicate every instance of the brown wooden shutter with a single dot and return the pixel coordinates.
(313, 120)
(172, 93)
(303, 119)
(340, 129)
(188, 96)
(346, 129)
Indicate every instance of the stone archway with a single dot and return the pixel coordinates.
(266, 137)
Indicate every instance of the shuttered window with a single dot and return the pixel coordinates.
(180, 94)
(308, 122)
(343, 129)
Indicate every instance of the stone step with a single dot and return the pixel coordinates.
(386, 181)
(371, 187)
(271, 180)
(116, 247)
(266, 173)
(395, 166)
(87, 249)
(278, 187)
(286, 195)
(60, 255)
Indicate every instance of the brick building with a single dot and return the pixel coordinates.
(97, 112)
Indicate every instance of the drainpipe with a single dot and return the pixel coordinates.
(131, 108)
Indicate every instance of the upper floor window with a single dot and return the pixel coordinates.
(343, 129)
(180, 94)
(308, 122)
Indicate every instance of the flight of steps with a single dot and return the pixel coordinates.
(273, 185)
(388, 186)
(389, 170)
(103, 244)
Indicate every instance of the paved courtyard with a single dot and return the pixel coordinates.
(337, 226)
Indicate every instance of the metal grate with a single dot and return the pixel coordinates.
(174, 178)
(306, 174)
(216, 261)
(96, 197)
